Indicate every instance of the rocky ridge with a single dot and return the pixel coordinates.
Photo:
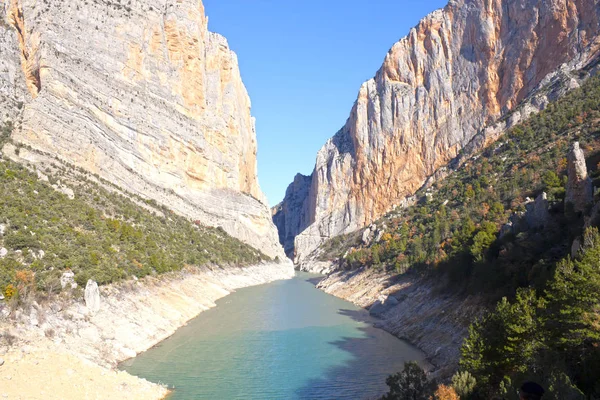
(443, 88)
(143, 95)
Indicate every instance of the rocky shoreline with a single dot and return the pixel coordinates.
(63, 350)
(410, 309)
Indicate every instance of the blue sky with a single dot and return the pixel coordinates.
(303, 63)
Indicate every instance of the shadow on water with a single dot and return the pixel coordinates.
(363, 375)
(315, 280)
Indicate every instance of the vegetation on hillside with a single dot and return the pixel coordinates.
(546, 324)
(551, 337)
(100, 234)
(453, 230)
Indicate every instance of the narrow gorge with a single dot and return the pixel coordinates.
(459, 76)
(448, 233)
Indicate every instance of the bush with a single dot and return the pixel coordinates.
(410, 384)
(444, 392)
(10, 291)
(99, 235)
(464, 384)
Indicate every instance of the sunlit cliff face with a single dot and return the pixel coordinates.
(146, 97)
(458, 70)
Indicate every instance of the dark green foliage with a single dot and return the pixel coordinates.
(99, 235)
(553, 339)
(410, 384)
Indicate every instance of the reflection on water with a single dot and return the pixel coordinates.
(284, 340)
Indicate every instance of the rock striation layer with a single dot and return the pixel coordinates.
(456, 75)
(142, 94)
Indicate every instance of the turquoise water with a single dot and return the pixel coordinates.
(284, 340)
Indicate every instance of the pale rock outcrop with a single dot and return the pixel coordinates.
(92, 296)
(67, 191)
(143, 95)
(537, 214)
(367, 236)
(68, 279)
(447, 84)
(580, 193)
(3, 252)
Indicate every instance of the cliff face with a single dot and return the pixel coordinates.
(142, 94)
(457, 72)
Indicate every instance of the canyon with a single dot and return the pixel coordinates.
(148, 102)
(450, 82)
(142, 95)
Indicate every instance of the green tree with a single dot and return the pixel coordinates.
(410, 384)
(483, 240)
(464, 384)
(574, 297)
(551, 180)
(506, 340)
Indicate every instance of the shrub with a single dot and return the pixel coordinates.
(464, 384)
(10, 291)
(444, 392)
(410, 384)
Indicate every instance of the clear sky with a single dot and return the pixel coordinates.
(303, 63)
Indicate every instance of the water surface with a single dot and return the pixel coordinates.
(283, 340)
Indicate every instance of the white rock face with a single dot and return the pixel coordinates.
(92, 296)
(3, 252)
(144, 96)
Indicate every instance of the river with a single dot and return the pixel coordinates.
(283, 340)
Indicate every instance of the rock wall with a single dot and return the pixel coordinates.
(580, 190)
(142, 94)
(460, 70)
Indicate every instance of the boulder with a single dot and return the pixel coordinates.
(380, 234)
(580, 193)
(68, 279)
(382, 305)
(92, 296)
(3, 252)
(518, 222)
(367, 236)
(1, 362)
(2, 229)
(537, 215)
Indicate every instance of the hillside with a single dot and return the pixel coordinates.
(504, 225)
(142, 94)
(64, 220)
(455, 76)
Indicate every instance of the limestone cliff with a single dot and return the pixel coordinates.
(456, 74)
(142, 94)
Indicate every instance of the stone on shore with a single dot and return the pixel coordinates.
(92, 296)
